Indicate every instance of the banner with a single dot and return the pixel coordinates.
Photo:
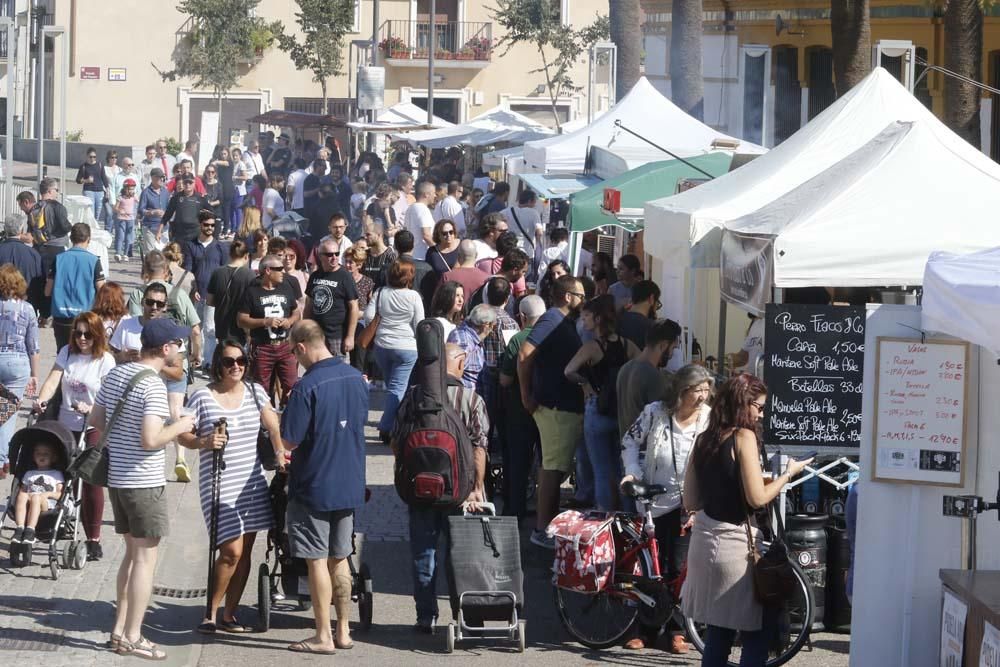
(746, 271)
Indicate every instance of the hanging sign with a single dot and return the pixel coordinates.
(920, 411)
(953, 613)
(745, 271)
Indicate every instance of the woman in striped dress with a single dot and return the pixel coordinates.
(244, 504)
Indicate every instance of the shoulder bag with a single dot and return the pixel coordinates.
(773, 574)
(367, 335)
(530, 239)
(92, 464)
(265, 450)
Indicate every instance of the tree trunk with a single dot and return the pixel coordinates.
(326, 100)
(625, 31)
(963, 54)
(220, 139)
(686, 85)
(852, 43)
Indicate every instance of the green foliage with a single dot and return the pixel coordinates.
(224, 35)
(323, 24)
(74, 135)
(173, 146)
(538, 22)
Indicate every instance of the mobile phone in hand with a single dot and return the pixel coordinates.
(809, 455)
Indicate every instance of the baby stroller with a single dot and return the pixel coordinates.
(62, 521)
(288, 579)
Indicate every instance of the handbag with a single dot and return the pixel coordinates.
(367, 335)
(92, 464)
(9, 404)
(265, 450)
(774, 578)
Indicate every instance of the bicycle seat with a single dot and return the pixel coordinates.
(642, 491)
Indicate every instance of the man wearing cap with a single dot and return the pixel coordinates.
(73, 282)
(182, 212)
(136, 483)
(152, 206)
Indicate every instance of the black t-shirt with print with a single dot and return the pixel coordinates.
(330, 292)
(278, 302)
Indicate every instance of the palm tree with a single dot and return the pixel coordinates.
(625, 27)
(963, 54)
(850, 24)
(686, 85)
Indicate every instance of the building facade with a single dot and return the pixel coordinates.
(767, 76)
(117, 51)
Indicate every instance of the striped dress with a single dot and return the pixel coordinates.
(244, 505)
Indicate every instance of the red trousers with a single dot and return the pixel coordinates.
(270, 361)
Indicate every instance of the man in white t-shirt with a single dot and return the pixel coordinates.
(419, 221)
(136, 483)
(745, 361)
(525, 221)
(450, 208)
(490, 227)
(274, 205)
(190, 153)
(294, 186)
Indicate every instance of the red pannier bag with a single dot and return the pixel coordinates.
(585, 551)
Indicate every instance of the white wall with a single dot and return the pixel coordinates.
(903, 539)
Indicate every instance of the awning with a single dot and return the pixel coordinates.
(297, 119)
(558, 186)
(402, 117)
(962, 296)
(648, 182)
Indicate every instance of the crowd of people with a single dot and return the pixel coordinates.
(553, 373)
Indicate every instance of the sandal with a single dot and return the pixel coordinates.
(207, 628)
(304, 647)
(114, 642)
(143, 648)
(234, 626)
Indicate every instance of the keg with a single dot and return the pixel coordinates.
(806, 538)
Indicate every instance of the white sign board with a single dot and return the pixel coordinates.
(989, 650)
(208, 137)
(953, 613)
(371, 88)
(920, 411)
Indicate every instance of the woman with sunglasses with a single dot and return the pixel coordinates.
(444, 252)
(111, 171)
(223, 166)
(91, 176)
(213, 189)
(240, 177)
(77, 375)
(244, 502)
(724, 485)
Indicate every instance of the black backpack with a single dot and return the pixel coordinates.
(615, 356)
(434, 459)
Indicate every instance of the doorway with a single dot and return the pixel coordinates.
(444, 108)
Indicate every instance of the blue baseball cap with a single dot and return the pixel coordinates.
(161, 331)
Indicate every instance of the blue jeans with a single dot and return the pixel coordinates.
(108, 216)
(124, 237)
(426, 527)
(520, 442)
(600, 438)
(719, 642)
(236, 217)
(584, 488)
(97, 199)
(14, 374)
(396, 366)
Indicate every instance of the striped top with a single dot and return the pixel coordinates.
(244, 503)
(129, 465)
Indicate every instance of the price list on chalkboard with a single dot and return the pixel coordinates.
(813, 368)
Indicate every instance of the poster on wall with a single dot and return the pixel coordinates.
(953, 612)
(989, 650)
(921, 390)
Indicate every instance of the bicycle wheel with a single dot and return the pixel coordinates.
(596, 620)
(793, 630)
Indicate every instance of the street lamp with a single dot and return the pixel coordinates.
(54, 31)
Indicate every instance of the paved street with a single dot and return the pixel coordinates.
(65, 622)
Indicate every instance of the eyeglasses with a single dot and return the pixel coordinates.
(209, 171)
(230, 362)
(447, 232)
(210, 225)
(329, 254)
(85, 335)
(92, 157)
(154, 303)
(759, 406)
(580, 295)
(279, 269)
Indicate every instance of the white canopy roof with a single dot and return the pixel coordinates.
(400, 117)
(495, 126)
(874, 217)
(644, 111)
(962, 296)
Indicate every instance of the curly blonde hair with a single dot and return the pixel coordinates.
(173, 253)
(12, 283)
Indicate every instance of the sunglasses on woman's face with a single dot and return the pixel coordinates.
(85, 335)
(231, 362)
(447, 232)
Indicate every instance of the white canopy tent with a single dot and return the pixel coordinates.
(401, 117)
(684, 231)
(874, 217)
(962, 296)
(498, 125)
(644, 111)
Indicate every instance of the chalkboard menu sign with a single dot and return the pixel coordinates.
(813, 368)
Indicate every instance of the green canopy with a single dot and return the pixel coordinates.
(646, 183)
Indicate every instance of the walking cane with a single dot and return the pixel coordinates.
(218, 465)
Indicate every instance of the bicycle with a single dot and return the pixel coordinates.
(603, 619)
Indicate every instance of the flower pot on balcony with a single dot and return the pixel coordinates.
(399, 53)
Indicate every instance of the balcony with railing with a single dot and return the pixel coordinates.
(458, 44)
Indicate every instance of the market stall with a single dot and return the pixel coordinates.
(496, 126)
(401, 117)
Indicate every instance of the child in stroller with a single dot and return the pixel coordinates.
(44, 501)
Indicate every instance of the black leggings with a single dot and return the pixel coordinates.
(673, 548)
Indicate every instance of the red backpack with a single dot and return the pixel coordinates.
(434, 460)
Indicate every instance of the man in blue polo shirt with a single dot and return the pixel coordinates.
(323, 425)
(75, 277)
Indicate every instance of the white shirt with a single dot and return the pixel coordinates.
(483, 251)
(551, 254)
(42, 481)
(81, 380)
(272, 200)
(295, 181)
(530, 221)
(451, 209)
(127, 336)
(447, 325)
(183, 155)
(240, 169)
(753, 345)
(401, 205)
(418, 218)
(255, 164)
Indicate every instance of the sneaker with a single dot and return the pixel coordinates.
(29, 536)
(118, 258)
(540, 539)
(125, 258)
(424, 627)
(182, 472)
(18, 535)
(94, 551)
